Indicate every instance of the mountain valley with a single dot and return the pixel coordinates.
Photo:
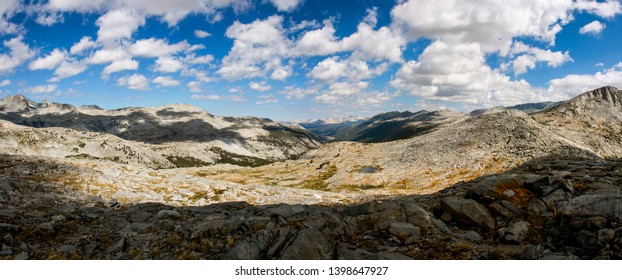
(529, 182)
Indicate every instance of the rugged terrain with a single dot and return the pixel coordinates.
(168, 136)
(495, 185)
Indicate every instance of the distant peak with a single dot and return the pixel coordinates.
(606, 94)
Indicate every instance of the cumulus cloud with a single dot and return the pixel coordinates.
(266, 99)
(286, 5)
(117, 25)
(201, 34)
(234, 98)
(366, 42)
(572, 85)
(593, 28)
(5, 83)
(170, 12)
(607, 9)
(194, 86)
(491, 24)
(120, 65)
(51, 61)
(529, 56)
(156, 47)
(167, 65)
(434, 76)
(260, 86)
(292, 92)
(166, 81)
(258, 47)
(19, 52)
(41, 89)
(7, 9)
(69, 69)
(332, 68)
(84, 44)
(136, 82)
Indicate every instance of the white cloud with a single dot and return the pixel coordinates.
(195, 86)
(167, 65)
(286, 5)
(51, 61)
(573, 85)
(600, 64)
(261, 86)
(435, 77)
(366, 42)
(593, 28)
(42, 89)
(69, 69)
(281, 73)
(491, 24)
(331, 69)
(201, 34)
(169, 11)
(108, 55)
(118, 25)
(156, 47)
(292, 92)
(166, 81)
(136, 82)
(76, 5)
(319, 41)
(84, 44)
(49, 19)
(607, 9)
(532, 55)
(258, 47)
(234, 98)
(120, 65)
(204, 59)
(5, 83)
(266, 99)
(19, 53)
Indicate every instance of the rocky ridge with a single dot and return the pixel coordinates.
(175, 135)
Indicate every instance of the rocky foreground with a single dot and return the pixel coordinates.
(548, 208)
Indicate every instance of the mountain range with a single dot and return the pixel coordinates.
(83, 182)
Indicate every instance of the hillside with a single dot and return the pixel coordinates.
(206, 138)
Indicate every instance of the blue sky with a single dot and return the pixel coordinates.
(302, 59)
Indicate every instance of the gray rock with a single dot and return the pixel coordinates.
(6, 252)
(516, 232)
(538, 185)
(506, 209)
(67, 249)
(558, 198)
(423, 219)
(468, 210)
(606, 235)
(392, 256)
(310, 244)
(21, 256)
(244, 250)
(403, 231)
(168, 214)
(4, 227)
(286, 210)
(606, 203)
(469, 235)
(537, 207)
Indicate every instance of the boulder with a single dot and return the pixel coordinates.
(244, 250)
(603, 202)
(310, 244)
(403, 231)
(516, 232)
(469, 211)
